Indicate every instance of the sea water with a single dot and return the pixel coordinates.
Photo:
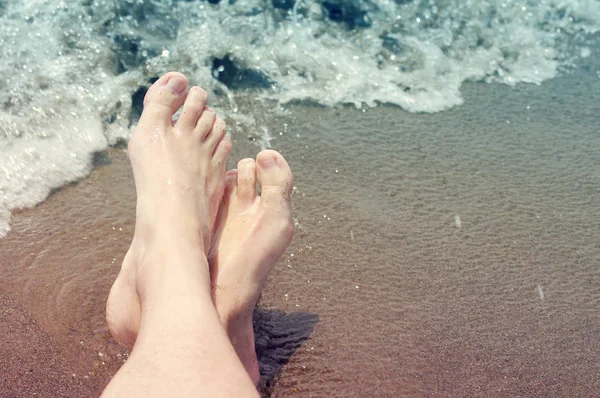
(72, 74)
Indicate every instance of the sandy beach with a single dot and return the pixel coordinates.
(454, 254)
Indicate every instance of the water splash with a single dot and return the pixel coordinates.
(74, 73)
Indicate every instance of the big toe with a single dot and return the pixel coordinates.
(275, 178)
(163, 99)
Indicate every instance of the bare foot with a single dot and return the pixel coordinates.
(252, 232)
(179, 172)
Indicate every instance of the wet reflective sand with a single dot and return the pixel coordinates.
(455, 254)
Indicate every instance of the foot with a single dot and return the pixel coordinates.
(179, 171)
(251, 233)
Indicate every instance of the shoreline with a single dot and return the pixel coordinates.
(409, 302)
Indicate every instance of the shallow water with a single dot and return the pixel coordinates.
(412, 303)
(454, 254)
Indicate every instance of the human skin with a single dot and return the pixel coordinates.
(185, 319)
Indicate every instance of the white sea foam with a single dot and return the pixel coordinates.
(68, 69)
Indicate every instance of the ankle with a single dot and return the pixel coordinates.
(170, 269)
(170, 235)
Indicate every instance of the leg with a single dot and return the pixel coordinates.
(252, 232)
(182, 348)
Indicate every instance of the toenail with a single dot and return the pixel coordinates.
(267, 162)
(176, 84)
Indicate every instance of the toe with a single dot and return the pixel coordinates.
(229, 191)
(205, 123)
(246, 180)
(164, 98)
(231, 178)
(222, 151)
(217, 133)
(274, 177)
(192, 108)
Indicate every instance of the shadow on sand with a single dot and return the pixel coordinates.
(277, 336)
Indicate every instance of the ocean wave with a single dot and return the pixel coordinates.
(74, 73)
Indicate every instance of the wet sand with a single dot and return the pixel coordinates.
(31, 363)
(455, 254)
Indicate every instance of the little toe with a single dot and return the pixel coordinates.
(163, 99)
(192, 108)
(246, 181)
(274, 177)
